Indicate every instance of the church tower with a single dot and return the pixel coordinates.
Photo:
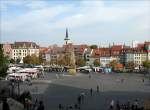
(66, 37)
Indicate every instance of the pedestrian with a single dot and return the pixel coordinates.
(89, 76)
(117, 105)
(112, 104)
(79, 100)
(136, 103)
(75, 106)
(82, 96)
(5, 105)
(60, 106)
(122, 80)
(91, 91)
(97, 88)
(41, 106)
(143, 80)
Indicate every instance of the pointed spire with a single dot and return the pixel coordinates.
(66, 37)
(66, 33)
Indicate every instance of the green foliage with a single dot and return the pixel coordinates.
(12, 60)
(93, 46)
(146, 64)
(80, 62)
(18, 60)
(3, 63)
(96, 62)
(27, 59)
(33, 59)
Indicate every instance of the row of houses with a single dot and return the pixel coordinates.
(120, 53)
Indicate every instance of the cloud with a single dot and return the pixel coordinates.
(37, 4)
(42, 18)
(96, 12)
(36, 20)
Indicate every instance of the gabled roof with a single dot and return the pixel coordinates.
(117, 47)
(25, 45)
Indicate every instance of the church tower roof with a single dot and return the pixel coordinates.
(66, 37)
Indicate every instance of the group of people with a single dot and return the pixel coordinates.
(125, 106)
(37, 105)
(79, 100)
(77, 105)
(56, 68)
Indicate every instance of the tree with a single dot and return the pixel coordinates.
(80, 62)
(34, 59)
(113, 64)
(3, 63)
(96, 62)
(61, 60)
(93, 46)
(18, 60)
(131, 65)
(146, 64)
(12, 60)
(27, 59)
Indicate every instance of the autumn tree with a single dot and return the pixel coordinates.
(61, 60)
(33, 59)
(113, 64)
(27, 59)
(96, 62)
(80, 62)
(131, 65)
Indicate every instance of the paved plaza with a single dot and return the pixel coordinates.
(64, 89)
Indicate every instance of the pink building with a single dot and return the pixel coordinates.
(7, 50)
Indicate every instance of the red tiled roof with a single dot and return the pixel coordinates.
(147, 43)
(43, 49)
(117, 47)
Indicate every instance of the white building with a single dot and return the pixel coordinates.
(138, 57)
(22, 49)
(106, 60)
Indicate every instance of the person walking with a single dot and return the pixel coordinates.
(89, 75)
(91, 91)
(112, 104)
(79, 100)
(97, 88)
(5, 105)
(117, 105)
(41, 106)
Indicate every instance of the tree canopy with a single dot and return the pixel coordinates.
(131, 65)
(3, 63)
(33, 59)
(93, 46)
(80, 62)
(96, 62)
(113, 64)
(146, 64)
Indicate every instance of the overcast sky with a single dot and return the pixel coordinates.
(90, 22)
